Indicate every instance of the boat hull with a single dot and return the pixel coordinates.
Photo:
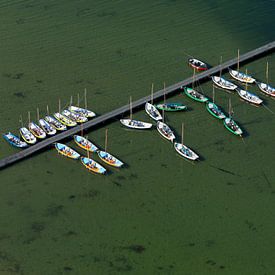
(47, 128)
(27, 136)
(266, 89)
(232, 126)
(197, 64)
(136, 124)
(244, 78)
(85, 144)
(171, 107)
(109, 159)
(14, 140)
(195, 95)
(165, 131)
(55, 123)
(36, 131)
(249, 97)
(93, 166)
(214, 110)
(186, 152)
(152, 111)
(64, 120)
(82, 111)
(223, 83)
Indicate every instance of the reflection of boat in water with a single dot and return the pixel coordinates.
(14, 140)
(85, 144)
(165, 131)
(93, 166)
(66, 151)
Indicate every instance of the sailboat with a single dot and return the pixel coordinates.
(82, 111)
(46, 127)
(14, 140)
(265, 87)
(93, 166)
(230, 124)
(84, 143)
(27, 135)
(183, 150)
(224, 83)
(135, 124)
(242, 77)
(107, 157)
(151, 110)
(214, 109)
(195, 95)
(165, 131)
(55, 123)
(35, 129)
(66, 151)
(197, 64)
(65, 120)
(74, 116)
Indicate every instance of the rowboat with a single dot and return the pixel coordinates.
(195, 95)
(66, 151)
(64, 120)
(242, 77)
(223, 83)
(27, 135)
(109, 159)
(197, 64)
(81, 111)
(249, 97)
(152, 111)
(215, 110)
(267, 89)
(232, 126)
(135, 124)
(171, 107)
(85, 144)
(184, 151)
(93, 166)
(36, 130)
(165, 131)
(14, 140)
(47, 128)
(55, 123)
(74, 116)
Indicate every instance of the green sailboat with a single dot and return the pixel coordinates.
(171, 107)
(214, 109)
(195, 95)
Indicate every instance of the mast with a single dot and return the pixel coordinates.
(266, 73)
(163, 115)
(164, 92)
(37, 113)
(29, 117)
(246, 81)
(131, 114)
(59, 106)
(21, 121)
(71, 100)
(48, 110)
(238, 61)
(152, 93)
(193, 82)
(106, 139)
(182, 126)
(85, 98)
(229, 108)
(221, 66)
(213, 93)
(78, 100)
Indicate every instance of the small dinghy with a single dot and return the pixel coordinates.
(195, 95)
(242, 77)
(232, 126)
(47, 128)
(14, 140)
(85, 144)
(249, 97)
(27, 135)
(135, 124)
(197, 64)
(74, 116)
(165, 131)
(267, 89)
(171, 107)
(65, 120)
(55, 123)
(36, 130)
(184, 151)
(93, 166)
(215, 110)
(223, 83)
(109, 159)
(152, 111)
(66, 151)
(81, 111)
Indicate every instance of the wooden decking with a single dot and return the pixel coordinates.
(251, 55)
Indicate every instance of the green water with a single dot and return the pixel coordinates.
(161, 214)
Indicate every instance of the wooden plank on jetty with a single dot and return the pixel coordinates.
(249, 56)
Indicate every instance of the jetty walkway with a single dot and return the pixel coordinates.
(249, 56)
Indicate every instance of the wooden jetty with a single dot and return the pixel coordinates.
(251, 55)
